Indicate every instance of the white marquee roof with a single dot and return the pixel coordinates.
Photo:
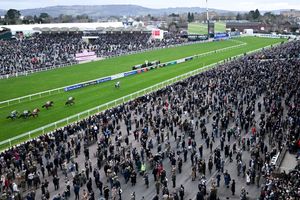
(63, 26)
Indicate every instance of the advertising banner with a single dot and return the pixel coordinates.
(130, 73)
(116, 76)
(102, 80)
(73, 87)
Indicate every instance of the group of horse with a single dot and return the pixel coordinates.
(35, 113)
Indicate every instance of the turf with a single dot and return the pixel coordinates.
(92, 96)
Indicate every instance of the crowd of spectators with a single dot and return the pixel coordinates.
(57, 49)
(39, 51)
(118, 43)
(243, 111)
(282, 186)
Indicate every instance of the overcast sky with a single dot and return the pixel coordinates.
(236, 5)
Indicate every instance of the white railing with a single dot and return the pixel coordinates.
(58, 124)
(61, 89)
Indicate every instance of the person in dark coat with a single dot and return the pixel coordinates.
(56, 182)
(181, 192)
(106, 192)
(133, 178)
(76, 191)
(155, 197)
(233, 187)
(89, 185)
(200, 196)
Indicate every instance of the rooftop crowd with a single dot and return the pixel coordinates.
(210, 136)
(57, 49)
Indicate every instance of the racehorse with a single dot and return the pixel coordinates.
(35, 112)
(48, 104)
(13, 115)
(26, 114)
(70, 101)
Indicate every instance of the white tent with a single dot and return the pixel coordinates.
(31, 28)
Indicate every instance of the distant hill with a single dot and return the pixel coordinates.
(118, 10)
(111, 10)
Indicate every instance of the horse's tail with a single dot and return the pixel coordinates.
(43, 106)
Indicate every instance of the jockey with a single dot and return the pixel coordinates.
(48, 102)
(70, 99)
(35, 110)
(26, 112)
(117, 84)
(13, 113)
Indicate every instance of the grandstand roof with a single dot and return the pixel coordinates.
(30, 28)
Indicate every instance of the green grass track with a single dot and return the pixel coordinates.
(93, 96)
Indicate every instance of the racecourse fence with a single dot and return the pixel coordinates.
(75, 118)
(62, 89)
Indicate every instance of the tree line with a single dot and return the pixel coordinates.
(13, 16)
